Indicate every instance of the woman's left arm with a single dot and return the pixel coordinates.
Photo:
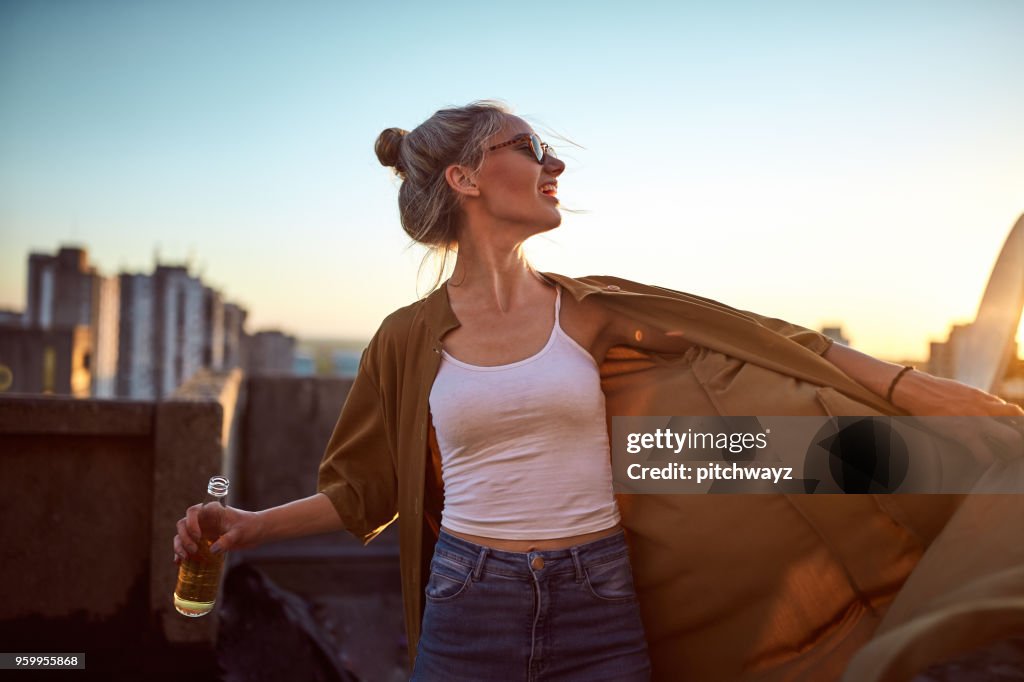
(917, 392)
(922, 394)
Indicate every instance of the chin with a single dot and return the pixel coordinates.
(551, 224)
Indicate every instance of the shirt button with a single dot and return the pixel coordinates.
(613, 287)
(538, 562)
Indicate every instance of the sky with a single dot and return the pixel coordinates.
(852, 163)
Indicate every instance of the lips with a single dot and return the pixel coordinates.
(549, 188)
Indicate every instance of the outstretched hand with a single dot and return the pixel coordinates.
(925, 395)
(989, 427)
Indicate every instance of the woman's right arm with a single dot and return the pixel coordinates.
(238, 529)
(356, 479)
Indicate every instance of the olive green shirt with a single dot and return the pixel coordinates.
(728, 585)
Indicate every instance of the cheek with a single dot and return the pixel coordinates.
(511, 191)
(515, 182)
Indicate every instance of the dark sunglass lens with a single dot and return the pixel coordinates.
(538, 148)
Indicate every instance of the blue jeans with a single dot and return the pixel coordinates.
(566, 614)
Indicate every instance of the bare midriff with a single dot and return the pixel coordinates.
(535, 545)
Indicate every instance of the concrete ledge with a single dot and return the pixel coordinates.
(73, 416)
(191, 444)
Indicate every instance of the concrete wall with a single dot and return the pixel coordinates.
(288, 422)
(75, 514)
(93, 489)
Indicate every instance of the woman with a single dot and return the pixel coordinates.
(499, 384)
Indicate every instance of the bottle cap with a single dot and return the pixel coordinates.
(218, 486)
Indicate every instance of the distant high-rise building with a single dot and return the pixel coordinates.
(836, 334)
(171, 326)
(943, 355)
(59, 289)
(178, 327)
(270, 352)
(132, 336)
(136, 356)
(234, 335)
(213, 339)
(64, 292)
(12, 318)
(50, 361)
(105, 331)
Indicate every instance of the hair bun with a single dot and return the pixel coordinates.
(389, 144)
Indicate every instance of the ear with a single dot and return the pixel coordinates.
(462, 180)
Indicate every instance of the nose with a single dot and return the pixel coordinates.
(553, 165)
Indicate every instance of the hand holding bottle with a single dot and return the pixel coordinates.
(222, 526)
(233, 528)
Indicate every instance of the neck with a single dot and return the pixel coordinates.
(491, 276)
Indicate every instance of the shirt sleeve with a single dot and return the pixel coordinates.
(357, 472)
(808, 338)
(812, 340)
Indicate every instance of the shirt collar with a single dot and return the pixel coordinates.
(441, 319)
(438, 313)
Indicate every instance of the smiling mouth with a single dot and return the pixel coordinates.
(549, 189)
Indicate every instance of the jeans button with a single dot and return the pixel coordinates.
(538, 562)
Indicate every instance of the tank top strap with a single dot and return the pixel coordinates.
(558, 303)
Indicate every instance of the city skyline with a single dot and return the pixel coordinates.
(859, 164)
(140, 336)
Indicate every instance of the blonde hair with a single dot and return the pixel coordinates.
(428, 207)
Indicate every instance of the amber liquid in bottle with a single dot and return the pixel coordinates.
(198, 579)
(199, 574)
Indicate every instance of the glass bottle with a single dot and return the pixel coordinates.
(199, 574)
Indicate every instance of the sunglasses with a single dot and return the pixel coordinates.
(539, 149)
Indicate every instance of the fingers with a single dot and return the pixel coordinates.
(192, 522)
(180, 554)
(212, 520)
(1007, 410)
(1005, 438)
(189, 534)
(225, 542)
(217, 521)
(184, 537)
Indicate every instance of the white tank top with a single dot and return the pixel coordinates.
(524, 446)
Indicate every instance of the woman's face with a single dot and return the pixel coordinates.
(515, 189)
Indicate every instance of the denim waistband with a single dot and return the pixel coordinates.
(552, 562)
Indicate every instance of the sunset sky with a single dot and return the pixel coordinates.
(855, 163)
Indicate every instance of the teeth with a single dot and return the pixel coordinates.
(548, 188)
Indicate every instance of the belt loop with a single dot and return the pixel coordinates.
(479, 568)
(577, 563)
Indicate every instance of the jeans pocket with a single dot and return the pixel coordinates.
(449, 578)
(611, 580)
